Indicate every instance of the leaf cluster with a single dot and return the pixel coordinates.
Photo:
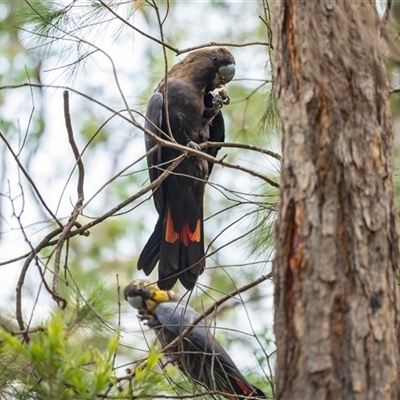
(49, 366)
(52, 364)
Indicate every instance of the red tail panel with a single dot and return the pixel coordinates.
(243, 387)
(246, 390)
(170, 235)
(186, 236)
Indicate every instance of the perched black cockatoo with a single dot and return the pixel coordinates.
(198, 354)
(194, 117)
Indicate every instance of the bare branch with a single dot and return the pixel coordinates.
(270, 153)
(81, 169)
(129, 200)
(26, 331)
(191, 151)
(222, 44)
(62, 303)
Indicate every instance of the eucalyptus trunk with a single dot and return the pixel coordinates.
(336, 238)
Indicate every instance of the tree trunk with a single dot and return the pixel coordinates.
(336, 239)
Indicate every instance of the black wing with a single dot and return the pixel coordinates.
(217, 130)
(176, 317)
(153, 124)
(150, 253)
(203, 358)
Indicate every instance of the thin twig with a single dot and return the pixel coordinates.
(270, 377)
(174, 49)
(208, 157)
(78, 205)
(27, 176)
(92, 309)
(166, 143)
(26, 332)
(386, 14)
(44, 243)
(85, 96)
(81, 155)
(30, 117)
(221, 44)
(241, 146)
(71, 139)
(81, 40)
(129, 200)
(165, 92)
(104, 185)
(123, 20)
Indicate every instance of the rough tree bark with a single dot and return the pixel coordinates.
(336, 304)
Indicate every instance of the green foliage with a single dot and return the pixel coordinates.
(271, 120)
(52, 365)
(51, 368)
(261, 241)
(147, 380)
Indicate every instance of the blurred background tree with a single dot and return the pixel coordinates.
(67, 332)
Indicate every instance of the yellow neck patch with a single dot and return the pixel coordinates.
(161, 296)
(157, 296)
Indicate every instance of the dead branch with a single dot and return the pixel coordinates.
(78, 205)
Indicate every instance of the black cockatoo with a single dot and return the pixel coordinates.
(199, 356)
(194, 117)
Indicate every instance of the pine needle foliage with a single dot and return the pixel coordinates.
(52, 365)
(51, 368)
